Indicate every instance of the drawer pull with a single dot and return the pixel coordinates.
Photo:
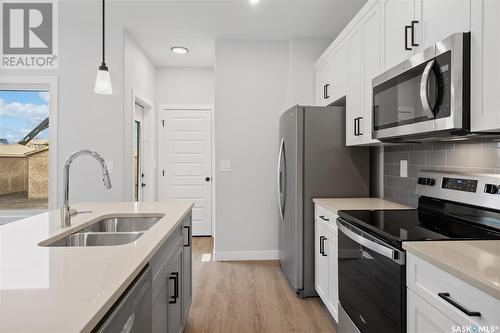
(324, 218)
(447, 298)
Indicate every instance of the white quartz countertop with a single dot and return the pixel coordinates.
(336, 204)
(69, 289)
(475, 262)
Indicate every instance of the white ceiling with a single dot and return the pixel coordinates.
(159, 25)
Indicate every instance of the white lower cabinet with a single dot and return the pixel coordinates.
(423, 317)
(326, 259)
(440, 302)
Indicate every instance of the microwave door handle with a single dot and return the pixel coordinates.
(424, 89)
(385, 251)
(280, 156)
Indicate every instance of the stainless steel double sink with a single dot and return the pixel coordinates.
(109, 232)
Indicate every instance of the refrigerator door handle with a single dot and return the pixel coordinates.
(280, 180)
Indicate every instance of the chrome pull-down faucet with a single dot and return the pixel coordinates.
(67, 212)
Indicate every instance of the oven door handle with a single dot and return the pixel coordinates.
(424, 90)
(357, 236)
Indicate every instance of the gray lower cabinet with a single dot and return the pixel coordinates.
(187, 274)
(172, 290)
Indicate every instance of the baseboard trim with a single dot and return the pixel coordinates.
(245, 255)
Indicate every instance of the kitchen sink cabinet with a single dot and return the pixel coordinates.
(172, 281)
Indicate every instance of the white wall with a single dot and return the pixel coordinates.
(303, 53)
(140, 83)
(88, 120)
(185, 85)
(251, 83)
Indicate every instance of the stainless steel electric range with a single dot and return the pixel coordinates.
(372, 263)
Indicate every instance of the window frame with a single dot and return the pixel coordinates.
(46, 83)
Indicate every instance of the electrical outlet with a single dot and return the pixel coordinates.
(403, 168)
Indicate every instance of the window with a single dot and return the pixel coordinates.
(24, 149)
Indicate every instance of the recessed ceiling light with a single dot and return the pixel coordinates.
(179, 49)
(254, 2)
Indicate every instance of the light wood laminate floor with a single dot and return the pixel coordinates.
(248, 296)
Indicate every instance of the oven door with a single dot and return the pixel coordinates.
(424, 94)
(371, 281)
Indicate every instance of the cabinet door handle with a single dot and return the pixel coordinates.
(355, 126)
(323, 241)
(175, 277)
(321, 244)
(413, 33)
(447, 298)
(359, 126)
(189, 236)
(326, 92)
(407, 27)
(324, 218)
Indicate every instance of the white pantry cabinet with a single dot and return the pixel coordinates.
(485, 66)
(331, 77)
(437, 300)
(326, 259)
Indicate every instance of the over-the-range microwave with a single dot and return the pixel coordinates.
(426, 96)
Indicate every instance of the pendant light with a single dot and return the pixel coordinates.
(103, 80)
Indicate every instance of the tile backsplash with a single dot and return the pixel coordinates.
(460, 156)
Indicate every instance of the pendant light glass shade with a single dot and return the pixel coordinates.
(103, 82)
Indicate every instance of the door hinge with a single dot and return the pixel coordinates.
(163, 122)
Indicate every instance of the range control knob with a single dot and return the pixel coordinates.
(491, 188)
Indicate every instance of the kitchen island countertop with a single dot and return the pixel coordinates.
(69, 289)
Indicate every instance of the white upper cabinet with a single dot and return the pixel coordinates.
(485, 66)
(354, 98)
(372, 65)
(323, 84)
(437, 19)
(396, 28)
(339, 72)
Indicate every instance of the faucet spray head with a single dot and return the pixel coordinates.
(106, 180)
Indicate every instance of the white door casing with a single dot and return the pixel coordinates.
(186, 157)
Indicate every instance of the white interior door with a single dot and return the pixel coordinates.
(187, 161)
(137, 153)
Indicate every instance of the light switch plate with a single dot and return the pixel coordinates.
(111, 166)
(403, 168)
(225, 165)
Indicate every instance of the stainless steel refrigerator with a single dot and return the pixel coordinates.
(313, 162)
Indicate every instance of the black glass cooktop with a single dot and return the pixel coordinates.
(441, 222)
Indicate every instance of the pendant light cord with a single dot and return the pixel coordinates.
(103, 65)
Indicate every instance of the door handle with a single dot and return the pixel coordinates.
(413, 33)
(359, 126)
(280, 190)
(407, 27)
(326, 91)
(424, 90)
(356, 236)
(324, 218)
(323, 242)
(447, 298)
(189, 236)
(175, 277)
